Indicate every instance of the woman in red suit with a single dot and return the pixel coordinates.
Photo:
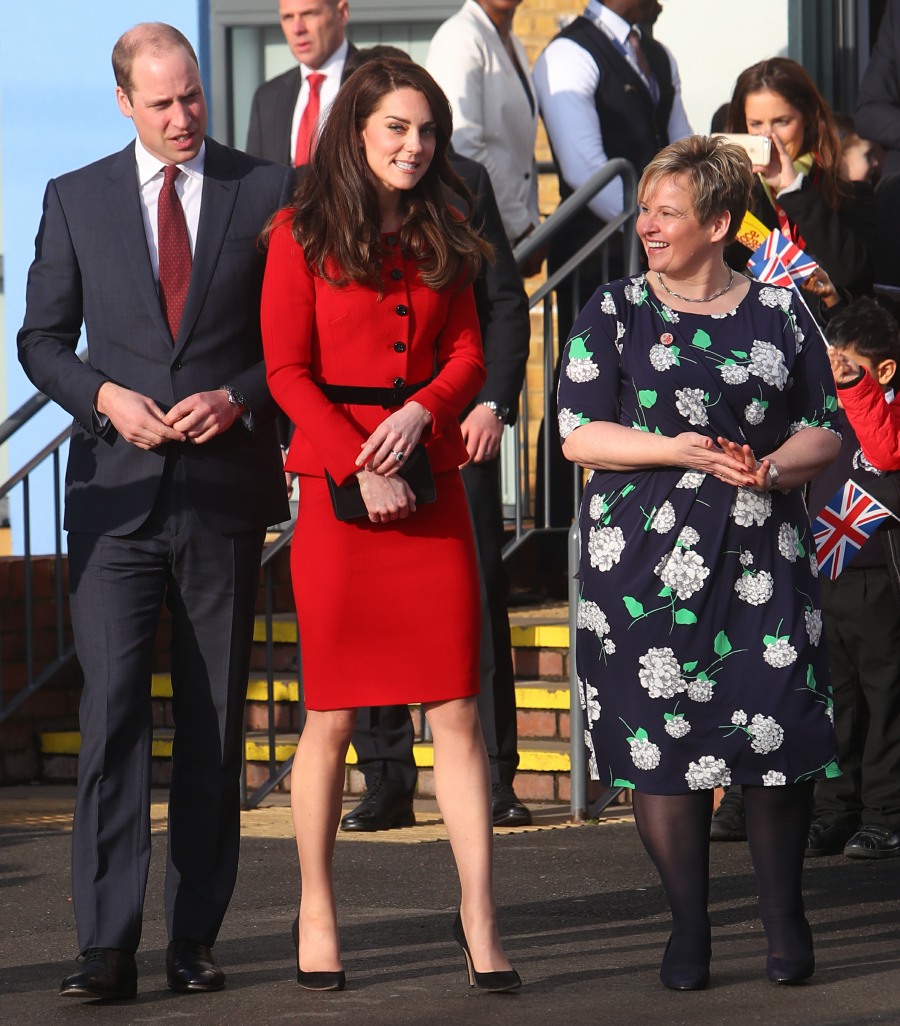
(372, 347)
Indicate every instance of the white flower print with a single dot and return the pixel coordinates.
(813, 564)
(596, 509)
(591, 617)
(644, 754)
(734, 373)
(746, 558)
(620, 331)
(689, 403)
(774, 779)
(664, 520)
(661, 674)
(789, 542)
(813, 624)
(635, 291)
(767, 362)
(581, 371)
(755, 589)
(829, 712)
(678, 727)
(608, 304)
(589, 702)
(750, 507)
(765, 733)
(605, 545)
(780, 654)
(774, 297)
(670, 314)
(691, 479)
(798, 334)
(700, 691)
(739, 718)
(592, 758)
(609, 646)
(708, 772)
(683, 571)
(568, 421)
(662, 357)
(688, 537)
(754, 413)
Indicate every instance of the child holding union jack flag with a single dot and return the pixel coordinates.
(859, 813)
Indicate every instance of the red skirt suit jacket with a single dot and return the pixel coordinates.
(315, 332)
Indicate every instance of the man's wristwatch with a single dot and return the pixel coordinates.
(500, 412)
(235, 398)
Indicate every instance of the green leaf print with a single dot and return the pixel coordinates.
(721, 646)
(801, 548)
(627, 490)
(692, 665)
(577, 347)
(685, 616)
(666, 592)
(769, 639)
(633, 606)
(832, 770)
(641, 734)
(701, 339)
(647, 397)
(622, 782)
(739, 353)
(830, 403)
(810, 678)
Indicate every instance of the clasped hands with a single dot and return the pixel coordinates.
(140, 421)
(387, 495)
(728, 461)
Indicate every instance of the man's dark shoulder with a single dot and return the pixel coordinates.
(278, 85)
(110, 165)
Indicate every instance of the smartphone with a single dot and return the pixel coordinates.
(757, 147)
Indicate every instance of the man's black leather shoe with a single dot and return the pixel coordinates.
(826, 838)
(728, 821)
(506, 808)
(106, 974)
(190, 966)
(873, 842)
(382, 807)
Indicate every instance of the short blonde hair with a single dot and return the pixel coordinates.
(719, 176)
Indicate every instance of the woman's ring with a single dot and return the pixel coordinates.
(398, 456)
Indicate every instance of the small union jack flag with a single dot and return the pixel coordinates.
(779, 261)
(844, 525)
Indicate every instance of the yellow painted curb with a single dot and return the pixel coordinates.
(540, 635)
(542, 698)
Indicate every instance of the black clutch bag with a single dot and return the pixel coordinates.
(347, 499)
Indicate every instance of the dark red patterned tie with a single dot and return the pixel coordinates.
(309, 121)
(174, 251)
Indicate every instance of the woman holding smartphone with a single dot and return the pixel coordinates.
(799, 190)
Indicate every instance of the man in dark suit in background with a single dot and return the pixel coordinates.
(314, 30)
(384, 736)
(173, 475)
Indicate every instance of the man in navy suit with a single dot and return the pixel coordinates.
(173, 475)
(315, 32)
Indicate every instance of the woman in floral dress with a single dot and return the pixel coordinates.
(700, 402)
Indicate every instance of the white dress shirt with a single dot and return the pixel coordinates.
(332, 69)
(493, 122)
(188, 186)
(566, 78)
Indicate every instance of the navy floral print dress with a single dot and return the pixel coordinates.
(699, 644)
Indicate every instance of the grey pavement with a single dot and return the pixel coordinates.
(580, 907)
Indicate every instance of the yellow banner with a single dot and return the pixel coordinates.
(752, 233)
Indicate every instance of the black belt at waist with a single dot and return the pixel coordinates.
(361, 395)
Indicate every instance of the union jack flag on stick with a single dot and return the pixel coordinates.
(846, 522)
(780, 262)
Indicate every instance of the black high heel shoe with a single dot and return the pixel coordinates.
(494, 983)
(685, 975)
(329, 980)
(801, 965)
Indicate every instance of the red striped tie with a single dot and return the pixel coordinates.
(309, 122)
(174, 251)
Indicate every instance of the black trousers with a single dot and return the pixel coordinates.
(118, 585)
(861, 615)
(384, 735)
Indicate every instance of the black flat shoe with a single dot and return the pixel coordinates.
(506, 809)
(686, 970)
(494, 983)
(106, 974)
(382, 807)
(328, 980)
(873, 842)
(190, 966)
(826, 839)
(801, 964)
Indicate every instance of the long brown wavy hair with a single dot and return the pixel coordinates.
(790, 81)
(336, 214)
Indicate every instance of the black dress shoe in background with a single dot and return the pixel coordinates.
(190, 966)
(728, 822)
(382, 807)
(873, 842)
(506, 808)
(826, 838)
(106, 974)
